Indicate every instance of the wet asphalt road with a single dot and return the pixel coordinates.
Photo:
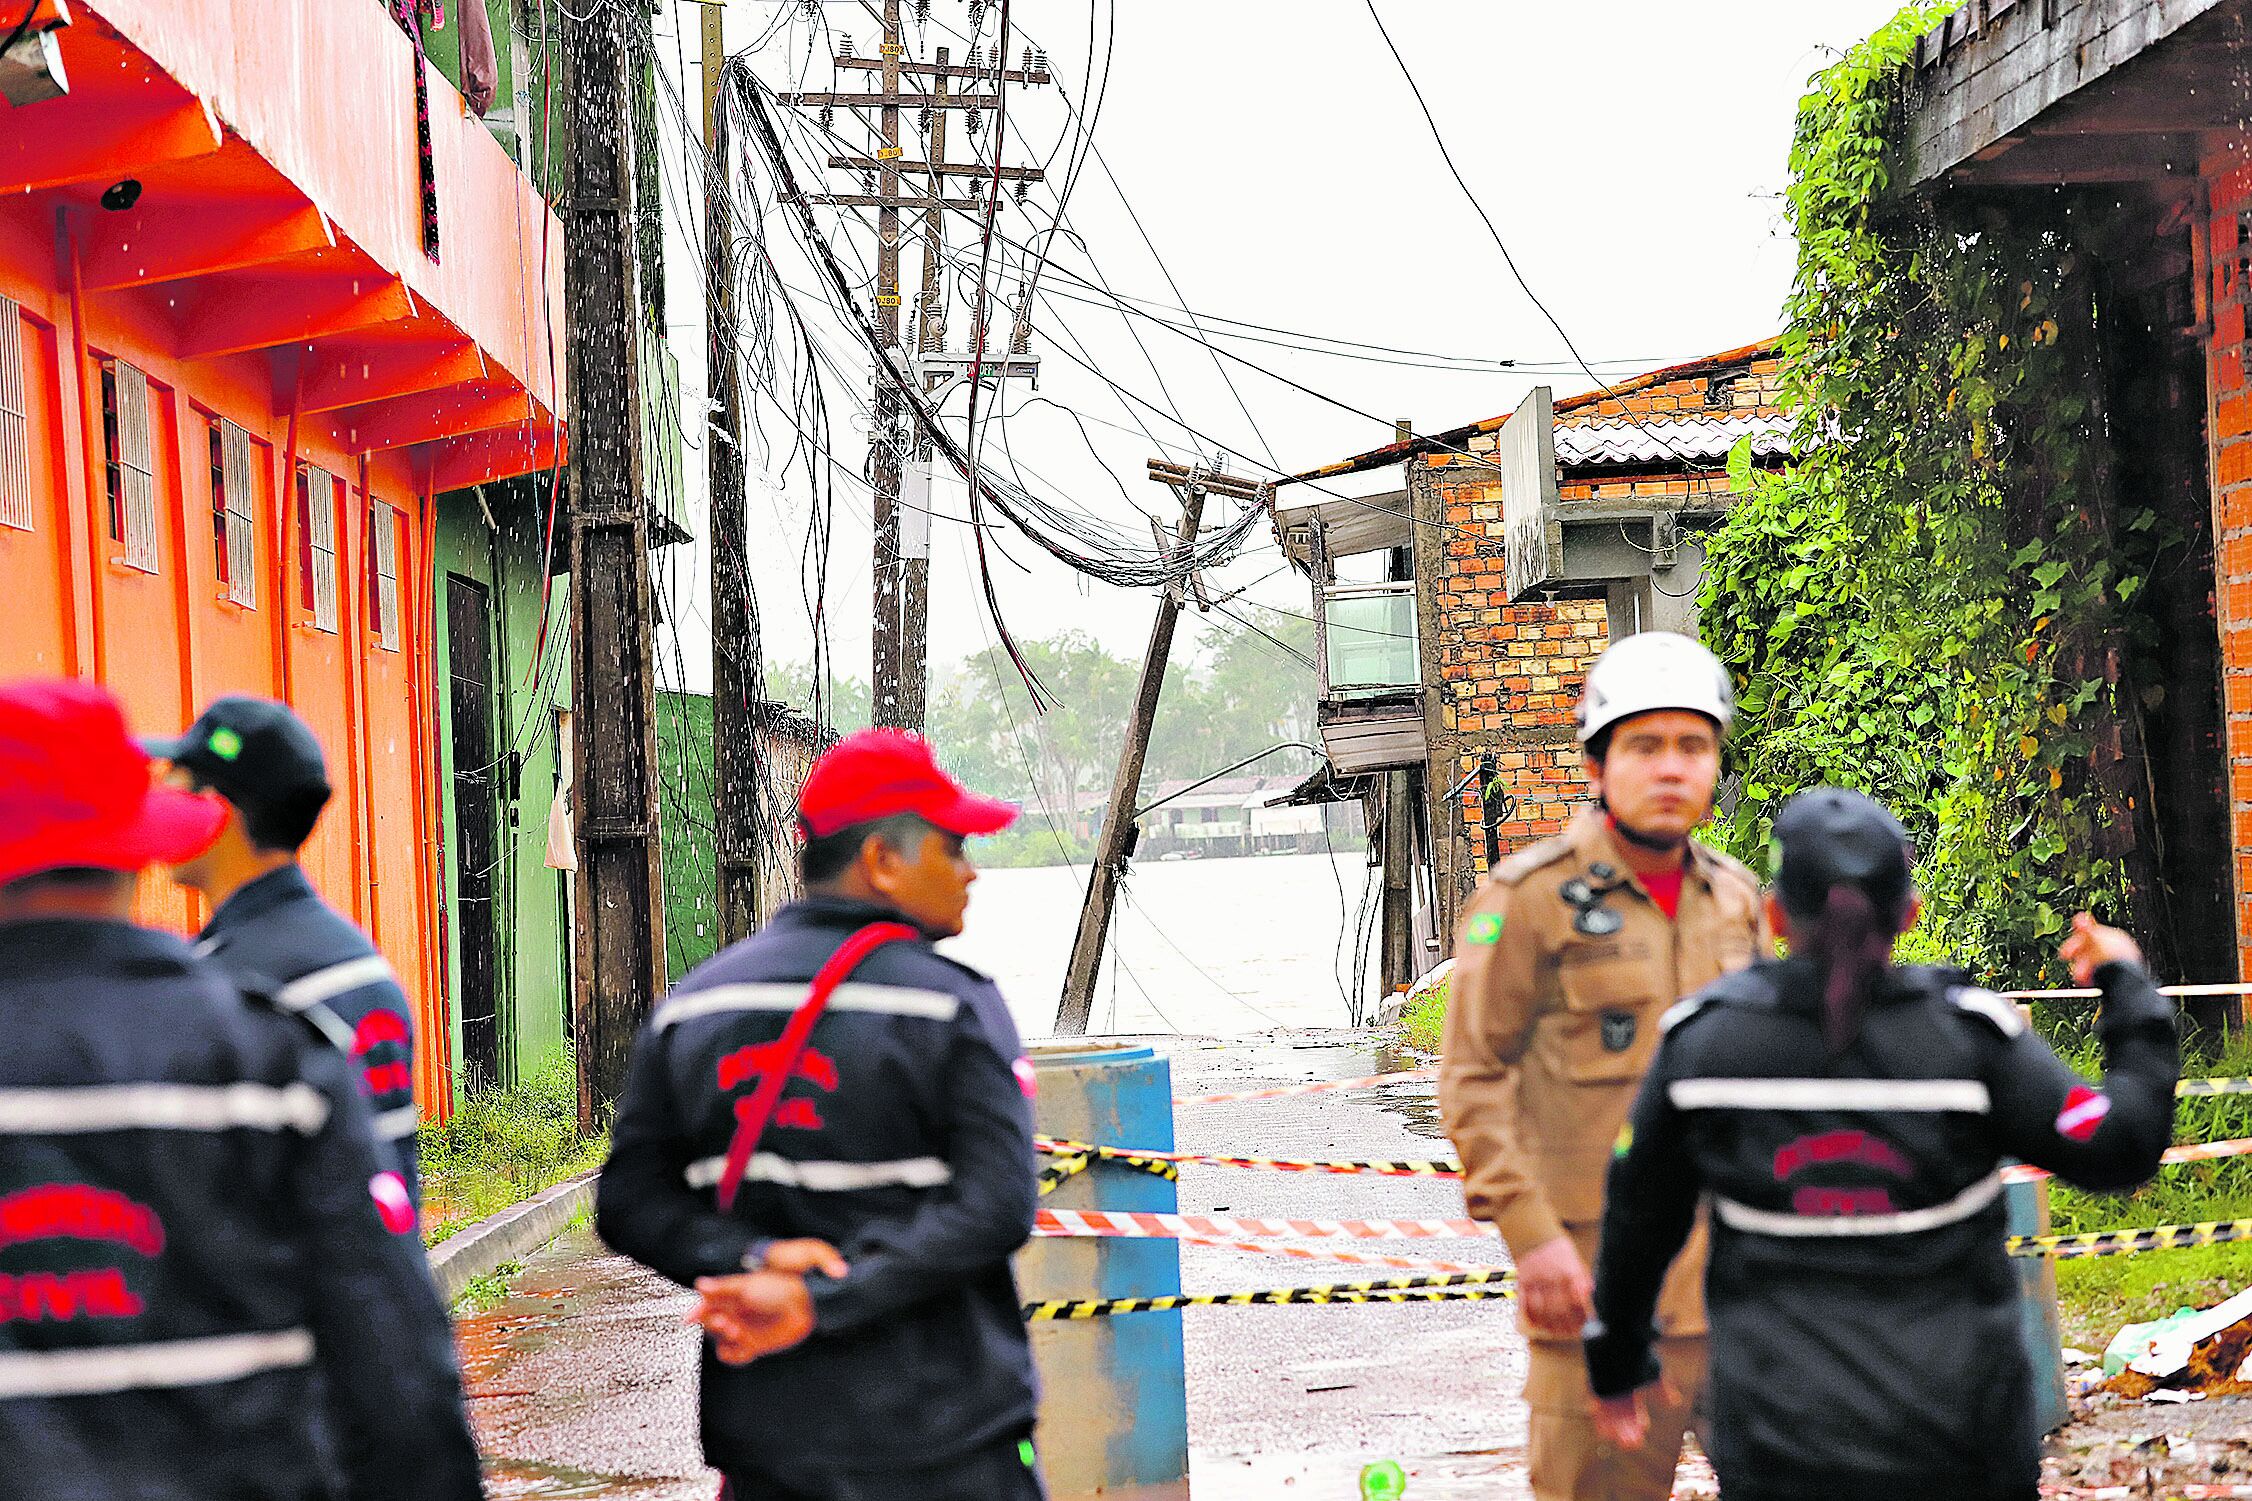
(583, 1382)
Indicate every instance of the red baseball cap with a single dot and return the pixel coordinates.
(75, 790)
(880, 773)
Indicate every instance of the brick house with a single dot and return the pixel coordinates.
(1459, 609)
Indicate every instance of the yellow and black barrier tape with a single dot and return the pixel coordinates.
(1053, 1176)
(2127, 1242)
(2191, 1088)
(1447, 1287)
(1168, 1164)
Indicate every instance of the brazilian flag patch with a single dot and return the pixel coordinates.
(1485, 928)
(225, 743)
(1625, 1143)
(1024, 1452)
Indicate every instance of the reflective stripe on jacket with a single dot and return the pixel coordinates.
(903, 1138)
(277, 935)
(199, 1295)
(1864, 1317)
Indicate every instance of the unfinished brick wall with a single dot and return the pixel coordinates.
(1505, 676)
(2230, 394)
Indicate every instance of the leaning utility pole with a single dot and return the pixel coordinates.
(620, 952)
(902, 522)
(738, 665)
(1115, 844)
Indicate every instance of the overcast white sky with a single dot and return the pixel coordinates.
(1630, 154)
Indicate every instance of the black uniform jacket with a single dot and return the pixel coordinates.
(1865, 1328)
(277, 936)
(198, 1295)
(904, 1138)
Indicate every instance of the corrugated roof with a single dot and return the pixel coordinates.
(1615, 440)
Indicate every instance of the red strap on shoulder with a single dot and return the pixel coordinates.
(752, 1114)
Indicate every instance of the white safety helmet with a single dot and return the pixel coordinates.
(1650, 671)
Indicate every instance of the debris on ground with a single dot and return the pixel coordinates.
(2187, 1356)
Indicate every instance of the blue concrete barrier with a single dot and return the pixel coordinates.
(1114, 1406)
(2027, 1205)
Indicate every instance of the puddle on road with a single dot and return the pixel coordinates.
(519, 1480)
(1495, 1476)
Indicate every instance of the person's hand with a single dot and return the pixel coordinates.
(1555, 1289)
(1624, 1422)
(2090, 946)
(798, 1257)
(750, 1314)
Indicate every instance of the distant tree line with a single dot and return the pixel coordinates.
(1245, 686)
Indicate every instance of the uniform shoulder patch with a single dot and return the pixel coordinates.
(1528, 860)
(1725, 867)
(1985, 1004)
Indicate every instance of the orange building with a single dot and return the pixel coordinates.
(254, 318)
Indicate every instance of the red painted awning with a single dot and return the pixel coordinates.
(280, 216)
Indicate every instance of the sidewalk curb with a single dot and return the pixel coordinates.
(510, 1235)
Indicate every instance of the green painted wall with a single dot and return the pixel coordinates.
(530, 899)
(691, 857)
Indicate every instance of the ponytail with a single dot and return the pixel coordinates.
(1851, 942)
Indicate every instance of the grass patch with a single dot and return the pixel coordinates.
(503, 1146)
(486, 1290)
(1425, 1018)
(2097, 1296)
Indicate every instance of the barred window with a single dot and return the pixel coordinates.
(383, 573)
(233, 529)
(15, 435)
(316, 544)
(128, 470)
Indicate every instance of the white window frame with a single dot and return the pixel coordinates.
(136, 468)
(383, 522)
(15, 423)
(320, 536)
(235, 476)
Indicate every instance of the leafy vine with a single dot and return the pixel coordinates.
(1931, 602)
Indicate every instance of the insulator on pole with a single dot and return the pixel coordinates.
(977, 19)
(975, 119)
(923, 119)
(1024, 187)
(828, 116)
(844, 44)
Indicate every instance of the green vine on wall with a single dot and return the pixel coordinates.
(1930, 602)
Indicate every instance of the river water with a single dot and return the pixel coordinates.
(1209, 947)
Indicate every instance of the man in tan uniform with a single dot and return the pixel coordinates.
(1569, 957)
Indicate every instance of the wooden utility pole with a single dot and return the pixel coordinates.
(620, 919)
(900, 607)
(1115, 844)
(885, 457)
(1398, 964)
(738, 661)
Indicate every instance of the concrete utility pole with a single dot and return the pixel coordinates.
(620, 919)
(899, 665)
(1115, 844)
(738, 661)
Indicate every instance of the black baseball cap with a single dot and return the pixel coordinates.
(253, 752)
(1831, 837)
